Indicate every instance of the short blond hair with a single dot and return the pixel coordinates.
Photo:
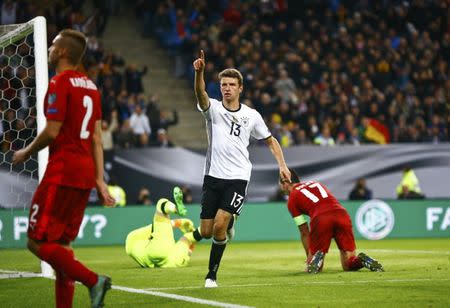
(75, 42)
(232, 73)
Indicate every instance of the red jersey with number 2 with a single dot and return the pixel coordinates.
(311, 198)
(72, 98)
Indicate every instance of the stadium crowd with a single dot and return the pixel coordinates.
(130, 117)
(321, 72)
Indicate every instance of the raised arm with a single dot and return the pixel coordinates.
(199, 82)
(275, 148)
(97, 149)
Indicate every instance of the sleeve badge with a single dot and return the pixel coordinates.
(51, 98)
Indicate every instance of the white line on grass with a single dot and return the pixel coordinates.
(179, 297)
(221, 286)
(427, 252)
(432, 252)
(306, 283)
(5, 274)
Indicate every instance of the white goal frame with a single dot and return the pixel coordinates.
(41, 73)
(38, 26)
(41, 68)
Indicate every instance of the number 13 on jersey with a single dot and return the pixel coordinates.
(235, 129)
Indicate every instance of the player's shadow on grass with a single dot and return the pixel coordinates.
(305, 274)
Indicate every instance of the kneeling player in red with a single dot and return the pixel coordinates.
(329, 219)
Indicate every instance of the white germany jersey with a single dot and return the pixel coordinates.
(228, 138)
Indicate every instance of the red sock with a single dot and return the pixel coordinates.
(63, 260)
(354, 263)
(64, 290)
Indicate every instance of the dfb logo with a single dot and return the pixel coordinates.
(434, 215)
(375, 219)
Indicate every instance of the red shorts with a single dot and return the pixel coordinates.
(56, 212)
(333, 224)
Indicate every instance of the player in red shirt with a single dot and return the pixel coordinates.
(75, 165)
(329, 219)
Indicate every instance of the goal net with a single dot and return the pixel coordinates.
(23, 83)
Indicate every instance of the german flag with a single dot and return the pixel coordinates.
(377, 132)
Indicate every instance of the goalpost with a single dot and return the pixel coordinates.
(24, 81)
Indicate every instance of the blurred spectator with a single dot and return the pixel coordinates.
(162, 139)
(436, 130)
(160, 21)
(300, 137)
(285, 87)
(164, 121)
(187, 194)
(144, 197)
(409, 186)
(125, 136)
(324, 138)
(285, 136)
(153, 112)
(349, 133)
(140, 126)
(108, 129)
(360, 191)
(133, 79)
(312, 127)
(8, 12)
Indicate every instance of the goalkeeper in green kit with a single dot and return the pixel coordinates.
(154, 245)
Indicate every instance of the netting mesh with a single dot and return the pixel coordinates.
(18, 124)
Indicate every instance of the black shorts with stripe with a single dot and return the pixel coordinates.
(228, 195)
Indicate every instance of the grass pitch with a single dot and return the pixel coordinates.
(260, 274)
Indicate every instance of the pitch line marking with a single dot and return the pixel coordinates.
(409, 251)
(6, 274)
(179, 297)
(304, 283)
(417, 251)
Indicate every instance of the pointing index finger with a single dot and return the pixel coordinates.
(202, 55)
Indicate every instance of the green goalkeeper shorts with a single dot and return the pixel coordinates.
(179, 255)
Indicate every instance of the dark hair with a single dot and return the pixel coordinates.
(75, 42)
(232, 73)
(294, 177)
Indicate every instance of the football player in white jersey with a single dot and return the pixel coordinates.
(229, 126)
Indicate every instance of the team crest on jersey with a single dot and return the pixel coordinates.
(51, 98)
(245, 121)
